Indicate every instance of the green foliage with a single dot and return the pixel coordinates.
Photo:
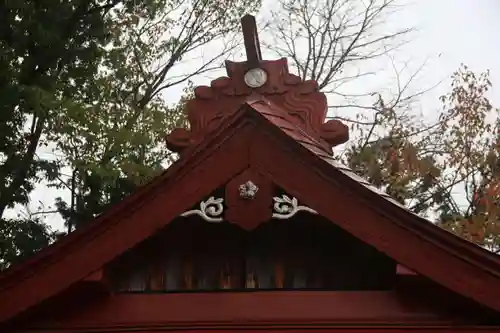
(49, 50)
(47, 47)
(111, 132)
(84, 79)
(20, 239)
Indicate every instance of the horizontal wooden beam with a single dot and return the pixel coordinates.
(254, 309)
(319, 329)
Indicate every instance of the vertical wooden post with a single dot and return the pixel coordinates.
(251, 38)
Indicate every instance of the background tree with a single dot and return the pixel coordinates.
(84, 80)
(48, 48)
(88, 81)
(111, 133)
(447, 170)
(45, 48)
(468, 134)
(336, 42)
(444, 168)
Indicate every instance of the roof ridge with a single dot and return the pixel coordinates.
(300, 101)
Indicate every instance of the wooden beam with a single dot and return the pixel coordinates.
(244, 309)
(251, 39)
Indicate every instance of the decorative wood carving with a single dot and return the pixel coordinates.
(210, 210)
(300, 101)
(248, 190)
(285, 207)
(248, 214)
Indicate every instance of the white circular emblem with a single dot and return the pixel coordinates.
(255, 77)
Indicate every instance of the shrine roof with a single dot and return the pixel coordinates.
(230, 122)
(48, 272)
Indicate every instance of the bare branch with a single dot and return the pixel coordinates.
(333, 33)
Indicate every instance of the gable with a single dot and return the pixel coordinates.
(251, 145)
(153, 301)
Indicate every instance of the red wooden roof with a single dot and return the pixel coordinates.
(278, 132)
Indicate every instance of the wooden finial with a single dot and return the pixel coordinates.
(251, 38)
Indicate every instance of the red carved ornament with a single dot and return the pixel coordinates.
(300, 101)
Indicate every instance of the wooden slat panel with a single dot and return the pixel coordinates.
(156, 277)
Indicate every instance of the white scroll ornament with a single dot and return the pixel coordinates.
(286, 207)
(210, 210)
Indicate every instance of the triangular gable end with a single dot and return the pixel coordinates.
(261, 131)
(255, 147)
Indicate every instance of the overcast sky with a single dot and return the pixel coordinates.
(450, 32)
(462, 31)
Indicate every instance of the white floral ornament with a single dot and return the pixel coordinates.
(248, 190)
(286, 207)
(210, 210)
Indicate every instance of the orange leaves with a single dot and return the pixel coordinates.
(451, 167)
(469, 135)
(482, 225)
